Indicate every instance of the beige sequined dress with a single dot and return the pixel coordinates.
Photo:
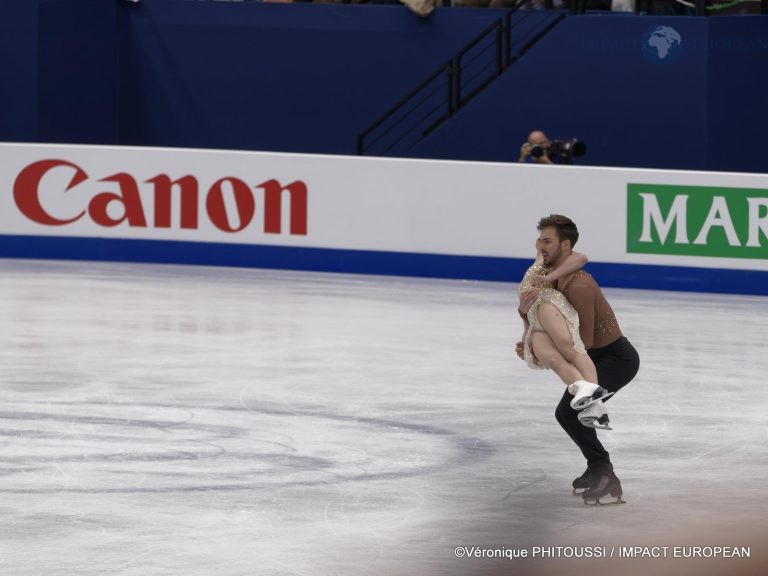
(555, 297)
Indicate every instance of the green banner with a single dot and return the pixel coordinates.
(697, 221)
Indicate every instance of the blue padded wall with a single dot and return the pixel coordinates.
(589, 79)
(310, 77)
(58, 65)
(77, 70)
(738, 94)
(294, 78)
(18, 70)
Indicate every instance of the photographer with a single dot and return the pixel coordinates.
(536, 139)
(542, 150)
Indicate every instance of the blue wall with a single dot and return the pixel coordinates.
(213, 74)
(58, 65)
(77, 69)
(18, 70)
(738, 94)
(589, 79)
(309, 78)
(298, 78)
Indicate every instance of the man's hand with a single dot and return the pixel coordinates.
(519, 349)
(525, 151)
(527, 299)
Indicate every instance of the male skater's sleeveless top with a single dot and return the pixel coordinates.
(556, 298)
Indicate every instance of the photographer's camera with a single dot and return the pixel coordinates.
(563, 148)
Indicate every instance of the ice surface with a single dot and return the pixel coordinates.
(161, 420)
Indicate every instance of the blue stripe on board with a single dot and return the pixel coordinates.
(643, 276)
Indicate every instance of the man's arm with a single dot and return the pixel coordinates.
(573, 262)
(582, 298)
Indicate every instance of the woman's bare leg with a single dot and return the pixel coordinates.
(557, 327)
(548, 355)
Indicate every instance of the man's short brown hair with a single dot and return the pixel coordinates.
(566, 229)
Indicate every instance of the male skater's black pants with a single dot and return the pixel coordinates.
(616, 365)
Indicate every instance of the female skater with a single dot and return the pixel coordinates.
(551, 335)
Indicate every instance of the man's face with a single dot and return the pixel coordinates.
(549, 244)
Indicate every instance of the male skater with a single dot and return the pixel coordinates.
(616, 360)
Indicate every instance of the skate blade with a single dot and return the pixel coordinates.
(596, 501)
(593, 423)
(587, 402)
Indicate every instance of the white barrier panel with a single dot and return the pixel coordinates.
(700, 220)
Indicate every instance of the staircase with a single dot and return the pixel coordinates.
(455, 83)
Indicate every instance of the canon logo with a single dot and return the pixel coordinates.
(26, 193)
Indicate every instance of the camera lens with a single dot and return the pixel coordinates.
(537, 151)
(578, 148)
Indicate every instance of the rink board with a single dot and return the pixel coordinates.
(697, 231)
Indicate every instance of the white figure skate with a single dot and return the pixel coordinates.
(595, 416)
(585, 394)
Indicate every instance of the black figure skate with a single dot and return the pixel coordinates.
(583, 482)
(604, 483)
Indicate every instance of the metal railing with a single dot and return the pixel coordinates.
(450, 87)
(697, 7)
(439, 96)
(421, 108)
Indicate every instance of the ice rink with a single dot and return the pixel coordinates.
(185, 421)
